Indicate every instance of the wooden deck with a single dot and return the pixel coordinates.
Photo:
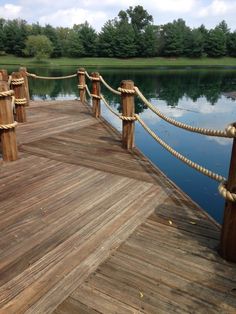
(87, 227)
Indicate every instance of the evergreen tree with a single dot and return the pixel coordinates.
(125, 43)
(2, 37)
(16, 33)
(106, 40)
(148, 45)
(51, 34)
(231, 44)
(74, 45)
(88, 38)
(216, 43)
(194, 44)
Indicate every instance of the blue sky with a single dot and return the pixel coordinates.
(69, 12)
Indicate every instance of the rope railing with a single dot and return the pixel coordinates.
(187, 161)
(229, 132)
(125, 118)
(35, 76)
(114, 91)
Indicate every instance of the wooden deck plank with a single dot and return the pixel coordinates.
(85, 226)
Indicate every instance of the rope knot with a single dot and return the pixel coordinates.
(222, 188)
(126, 91)
(7, 93)
(20, 101)
(81, 86)
(125, 118)
(231, 130)
(17, 81)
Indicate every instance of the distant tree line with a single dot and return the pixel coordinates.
(131, 34)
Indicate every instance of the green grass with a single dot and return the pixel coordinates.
(126, 63)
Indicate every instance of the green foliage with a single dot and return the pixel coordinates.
(216, 43)
(38, 46)
(106, 40)
(231, 44)
(130, 34)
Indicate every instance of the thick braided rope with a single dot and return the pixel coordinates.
(51, 77)
(88, 91)
(126, 91)
(190, 163)
(225, 193)
(8, 126)
(7, 93)
(20, 101)
(86, 73)
(17, 81)
(229, 132)
(114, 91)
(115, 113)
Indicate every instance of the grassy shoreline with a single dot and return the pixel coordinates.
(119, 63)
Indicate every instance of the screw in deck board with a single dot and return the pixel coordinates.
(228, 233)
(23, 72)
(20, 93)
(96, 91)
(127, 104)
(8, 136)
(81, 83)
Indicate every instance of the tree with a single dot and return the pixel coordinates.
(74, 45)
(231, 44)
(139, 17)
(194, 44)
(125, 43)
(148, 44)
(2, 37)
(88, 38)
(216, 43)
(16, 32)
(51, 33)
(38, 46)
(173, 37)
(106, 39)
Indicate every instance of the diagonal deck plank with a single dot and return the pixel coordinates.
(85, 226)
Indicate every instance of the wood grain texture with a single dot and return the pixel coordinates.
(85, 226)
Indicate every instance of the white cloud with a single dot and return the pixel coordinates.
(10, 11)
(217, 8)
(73, 16)
(174, 5)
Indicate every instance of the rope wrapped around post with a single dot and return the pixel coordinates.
(127, 104)
(7, 124)
(96, 90)
(81, 84)
(18, 84)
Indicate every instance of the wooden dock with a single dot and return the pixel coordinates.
(89, 227)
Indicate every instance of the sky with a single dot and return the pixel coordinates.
(69, 12)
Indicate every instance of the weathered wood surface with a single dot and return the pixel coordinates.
(71, 200)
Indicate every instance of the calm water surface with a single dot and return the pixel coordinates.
(191, 96)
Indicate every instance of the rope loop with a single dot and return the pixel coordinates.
(8, 126)
(17, 81)
(125, 118)
(7, 93)
(50, 77)
(20, 101)
(95, 96)
(81, 86)
(95, 78)
(81, 72)
(126, 91)
(222, 188)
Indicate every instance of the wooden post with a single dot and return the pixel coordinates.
(81, 84)
(127, 103)
(96, 91)
(228, 232)
(23, 72)
(8, 136)
(20, 96)
(4, 75)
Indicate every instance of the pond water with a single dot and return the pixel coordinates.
(192, 96)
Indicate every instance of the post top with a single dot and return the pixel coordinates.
(128, 84)
(81, 69)
(95, 74)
